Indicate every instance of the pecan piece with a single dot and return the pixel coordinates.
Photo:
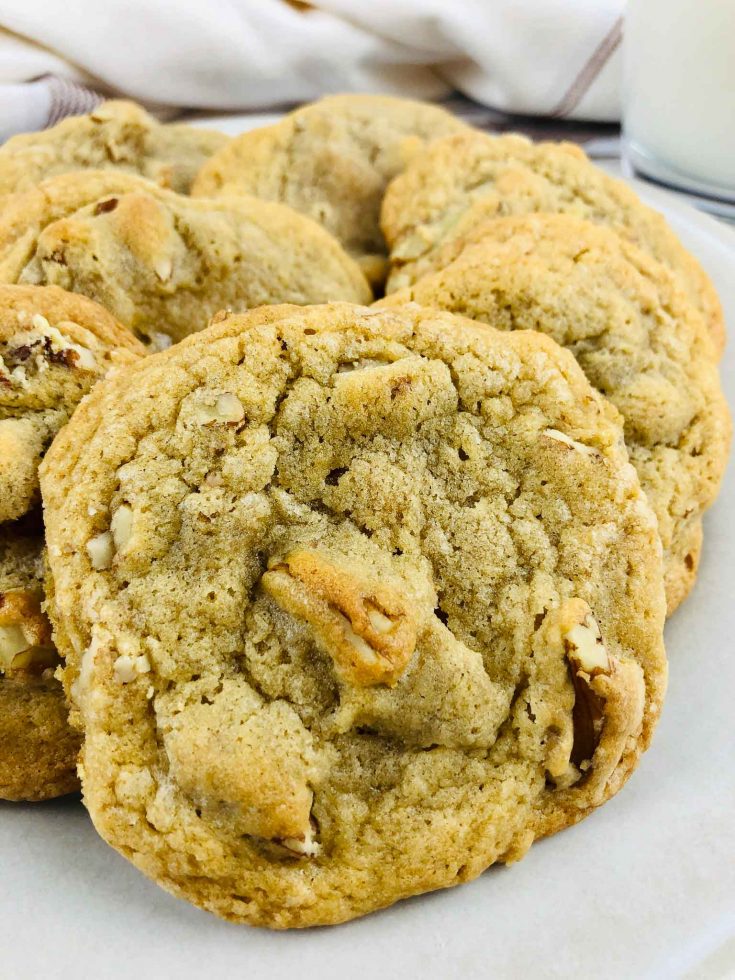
(25, 633)
(609, 697)
(587, 658)
(366, 628)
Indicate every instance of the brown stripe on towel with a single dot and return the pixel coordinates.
(69, 99)
(592, 68)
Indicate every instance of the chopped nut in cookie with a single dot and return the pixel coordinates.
(608, 698)
(395, 632)
(566, 440)
(33, 350)
(366, 628)
(129, 668)
(121, 526)
(25, 634)
(101, 551)
(214, 408)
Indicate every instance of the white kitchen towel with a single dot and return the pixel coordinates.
(555, 58)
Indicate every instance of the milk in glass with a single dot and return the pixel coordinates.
(679, 92)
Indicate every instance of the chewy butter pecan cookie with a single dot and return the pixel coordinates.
(53, 348)
(163, 263)
(634, 332)
(331, 160)
(464, 180)
(117, 135)
(354, 603)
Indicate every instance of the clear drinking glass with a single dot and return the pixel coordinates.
(679, 97)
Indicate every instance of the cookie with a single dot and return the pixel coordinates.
(118, 135)
(163, 263)
(39, 747)
(331, 160)
(354, 603)
(635, 334)
(464, 180)
(53, 347)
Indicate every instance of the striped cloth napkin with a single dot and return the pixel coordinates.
(556, 59)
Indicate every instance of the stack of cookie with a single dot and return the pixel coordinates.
(54, 346)
(348, 602)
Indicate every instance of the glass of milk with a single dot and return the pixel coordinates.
(679, 96)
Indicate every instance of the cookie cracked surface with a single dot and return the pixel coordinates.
(332, 161)
(466, 179)
(353, 603)
(162, 262)
(634, 332)
(117, 135)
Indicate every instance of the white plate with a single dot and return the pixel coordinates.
(643, 888)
